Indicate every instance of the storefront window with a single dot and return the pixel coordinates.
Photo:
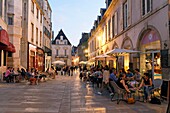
(9, 54)
(150, 56)
(4, 58)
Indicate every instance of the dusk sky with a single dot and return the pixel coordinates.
(74, 17)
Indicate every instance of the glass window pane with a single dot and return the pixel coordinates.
(4, 58)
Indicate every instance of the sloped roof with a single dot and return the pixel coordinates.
(61, 33)
(84, 38)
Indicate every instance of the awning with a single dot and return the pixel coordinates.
(4, 39)
(10, 48)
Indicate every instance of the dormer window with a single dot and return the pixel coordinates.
(61, 37)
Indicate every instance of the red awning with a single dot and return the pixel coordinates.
(4, 39)
(10, 48)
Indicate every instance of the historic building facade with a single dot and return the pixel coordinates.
(82, 47)
(7, 49)
(141, 25)
(25, 34)
(14, 17)
(61, 49)
(47, 32)
(32, 40)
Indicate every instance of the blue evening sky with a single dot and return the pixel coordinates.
(74, 17)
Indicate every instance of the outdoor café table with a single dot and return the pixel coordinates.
(15, 77)
(136, 94)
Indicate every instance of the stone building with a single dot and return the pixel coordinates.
(141, 25)
(37, 34)
(6, 39)
(47, 31)
(61, 49)
(83, 47)
(14, 16)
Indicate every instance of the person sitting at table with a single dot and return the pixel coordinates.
(147, 85)
(8, 76)
(28, 74)
(113, 76)
(15, 75)
(122, 70)
(23, 74)
(137, 76)
(129, 75)
(135, 79)
(121, 82)
(33, 78)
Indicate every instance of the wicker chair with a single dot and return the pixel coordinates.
(117, 90)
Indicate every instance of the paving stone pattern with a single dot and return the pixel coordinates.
(64, 95)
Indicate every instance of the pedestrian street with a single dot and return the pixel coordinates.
(65, 94)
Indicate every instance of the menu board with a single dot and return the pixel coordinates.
(164, 58)
(165, 89)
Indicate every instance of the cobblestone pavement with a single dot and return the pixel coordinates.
(64, 95)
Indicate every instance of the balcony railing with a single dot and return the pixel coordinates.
(61, 56)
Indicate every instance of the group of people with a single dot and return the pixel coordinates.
(127, 80)
(32, 76)
(11, 74)
(66, 70)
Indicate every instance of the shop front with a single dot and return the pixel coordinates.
(150, 46)
(32, 56)
(48, 54)
(36, 57)
(40, 59)
(5, 48)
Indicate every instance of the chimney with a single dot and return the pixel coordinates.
(95, 24)
(102, 11)
(98, 19)
(108, 3)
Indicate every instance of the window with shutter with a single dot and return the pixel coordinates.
(146, 6)
(116, 23)
(32, 6)
(0, 7)
(109, 22)
(106, 33)
(113, 27)
(125, 15)
(56, 52)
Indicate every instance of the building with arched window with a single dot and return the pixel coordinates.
(141, 25)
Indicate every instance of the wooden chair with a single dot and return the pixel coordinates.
(117, 90)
